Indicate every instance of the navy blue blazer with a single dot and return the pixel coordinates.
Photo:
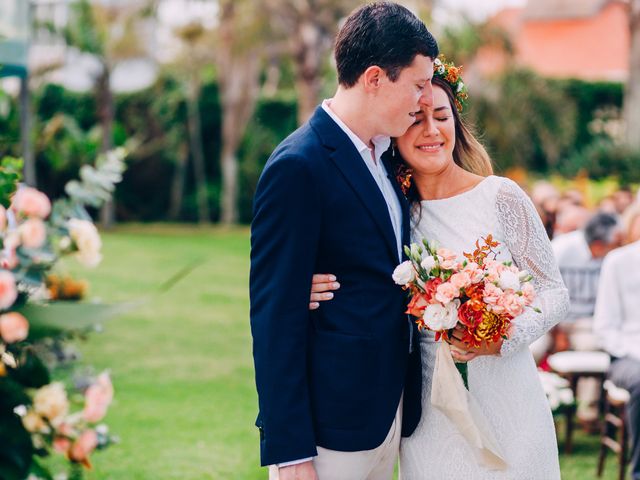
(331, 377)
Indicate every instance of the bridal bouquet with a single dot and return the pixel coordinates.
(483, 295)
(480, 292)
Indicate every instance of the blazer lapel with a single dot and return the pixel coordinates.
(350, 163)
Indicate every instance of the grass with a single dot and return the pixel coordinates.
(182, 366)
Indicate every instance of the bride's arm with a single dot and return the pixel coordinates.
(527, 240)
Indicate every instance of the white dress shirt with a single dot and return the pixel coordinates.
(617, 316)
(579, 271)
(371, 158)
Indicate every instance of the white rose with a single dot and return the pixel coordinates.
(428, 263)
(509, 280)
(86, 238)
(437, 317)
(404, 273)
(51, 402)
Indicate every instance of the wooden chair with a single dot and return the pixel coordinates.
(574, 365)
(614, 428)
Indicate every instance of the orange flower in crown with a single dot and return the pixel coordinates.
(448, 72)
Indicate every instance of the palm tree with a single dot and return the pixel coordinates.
(110, 35)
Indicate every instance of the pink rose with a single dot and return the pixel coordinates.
(491, 294)
(528, 293)
(512, 304)
(8, 259)
(8, 290)
(61, 445)
(83, 446)
(448, 258)
(98, 397)
(31, 203)
(446, 292)
(13, 327)
(33, 233)
(3, 218)
(475, 272)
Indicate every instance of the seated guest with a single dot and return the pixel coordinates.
(569, 218)
(617, 323)
(579, 255)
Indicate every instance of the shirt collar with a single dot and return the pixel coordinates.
(380, 142)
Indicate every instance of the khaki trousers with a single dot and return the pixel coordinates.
(376, 464)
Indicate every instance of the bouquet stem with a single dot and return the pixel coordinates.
(463, 369)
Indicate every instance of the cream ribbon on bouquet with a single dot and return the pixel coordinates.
(449, 395)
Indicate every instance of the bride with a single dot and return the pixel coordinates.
(447, 176)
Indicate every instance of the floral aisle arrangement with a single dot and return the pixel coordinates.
(38, 309)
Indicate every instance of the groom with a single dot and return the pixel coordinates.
(331, 381)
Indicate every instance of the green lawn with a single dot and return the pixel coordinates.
(181, 364)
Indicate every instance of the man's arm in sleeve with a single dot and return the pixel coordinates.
(284, 242)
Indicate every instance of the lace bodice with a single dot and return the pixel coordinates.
(503, 384)
(499, 206)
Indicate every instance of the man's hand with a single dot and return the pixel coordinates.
(492, 348)
(301, 471)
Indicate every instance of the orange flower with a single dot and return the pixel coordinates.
(453, 74)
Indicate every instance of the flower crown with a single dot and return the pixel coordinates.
(448, 72)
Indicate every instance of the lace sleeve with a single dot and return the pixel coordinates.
(530, 249)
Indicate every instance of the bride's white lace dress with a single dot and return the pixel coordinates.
(506, 387)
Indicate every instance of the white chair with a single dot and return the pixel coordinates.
(574, 365)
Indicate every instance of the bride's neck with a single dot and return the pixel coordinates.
(450, 181)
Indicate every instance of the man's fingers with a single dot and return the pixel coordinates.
(314, 306)
(324, 286)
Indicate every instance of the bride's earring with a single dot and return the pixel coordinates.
(393, 149)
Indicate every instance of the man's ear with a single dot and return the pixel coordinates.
(372, 78)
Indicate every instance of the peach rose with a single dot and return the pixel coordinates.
(449, 258)
(51, 402)
(87, 239)
(98, 397)
(460, 280)
(31, 203)
(83, 446)
(34, 423)
(33, 233)
(8, 290)
(13, 327)
(446, 292)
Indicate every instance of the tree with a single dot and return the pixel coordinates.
(632, 92)
(110, 35)
(197, 41)
(307, 28)
(238, 60)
